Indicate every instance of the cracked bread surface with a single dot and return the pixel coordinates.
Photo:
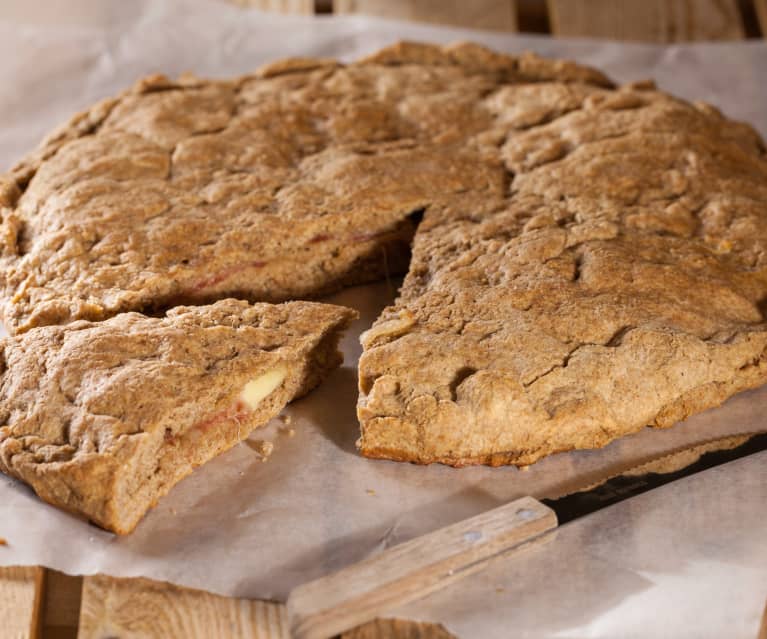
(591, 258)
(618, 281)
(287, 183)
(103, 418)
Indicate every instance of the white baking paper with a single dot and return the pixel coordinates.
(684, 561)
(239, 526)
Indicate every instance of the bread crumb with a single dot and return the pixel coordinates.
(187, 77)
(370, 491)
(524, 469)
(500, 589)
(264, 448)
(286, 420)
(3, 542)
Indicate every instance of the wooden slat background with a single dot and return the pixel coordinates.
(481, 14)
(38, 603)
(60, 614)
(650, 20)
(281, 6)
(21, 591)
(760, 7)
(635, 20)
(44, 604)
(145, 609)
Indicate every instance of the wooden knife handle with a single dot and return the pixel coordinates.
(408, 571)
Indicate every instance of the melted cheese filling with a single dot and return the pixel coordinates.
(257, 389)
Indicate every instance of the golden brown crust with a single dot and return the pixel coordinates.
(591, 259)
(620, 283)
(269, 187)
(104, 418)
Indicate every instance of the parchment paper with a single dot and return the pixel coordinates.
(684, 561)
(239, 526)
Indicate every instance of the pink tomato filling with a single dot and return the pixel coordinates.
(225, 274)
(236, 412)
(228, 272)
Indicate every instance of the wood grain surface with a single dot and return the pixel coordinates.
(479, 14)
(281, 6)
(638, 20)
(647, 20)
(146, 609)
(45, 604)
(760, 7)
(60, 613)
(398, 629)
(21, 591)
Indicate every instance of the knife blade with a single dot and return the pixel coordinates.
(403, 573)
(630, 483)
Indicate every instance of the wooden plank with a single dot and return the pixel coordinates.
(763, 627)
(532, 16)
(61, 605)
(398, 629)
(647, 20)
(305, 7)
(499, 15)
(409, 571)
(21, 593)
(146, 609)
(761, 14)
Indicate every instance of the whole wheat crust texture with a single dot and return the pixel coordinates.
(587, 259)
(103, 418)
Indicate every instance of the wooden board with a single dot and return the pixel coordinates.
(305, 7)
(46, 604)
(61, 605)
(647, 20)
(478, 14)
(640, 20)
(145, 609)
(21, 592)
(761, 13)
(398, 629)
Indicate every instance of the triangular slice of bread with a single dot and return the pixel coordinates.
(102, 419)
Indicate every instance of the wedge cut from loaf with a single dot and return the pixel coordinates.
(102, 419)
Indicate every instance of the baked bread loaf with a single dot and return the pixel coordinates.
(102, 419)
(615, 279)
(590, 259)
(285, 184)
